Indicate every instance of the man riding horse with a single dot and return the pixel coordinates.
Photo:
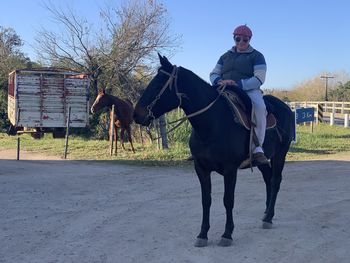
(245, 67)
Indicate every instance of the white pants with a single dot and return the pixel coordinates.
(260, 114)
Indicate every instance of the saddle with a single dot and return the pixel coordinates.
(243, 111)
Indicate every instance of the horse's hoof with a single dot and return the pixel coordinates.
(201, 242)
(266, 225)
(225, 242)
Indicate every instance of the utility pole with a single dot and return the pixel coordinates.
(326, 77)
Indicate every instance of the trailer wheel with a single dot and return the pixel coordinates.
(37, 135)
(12, 130)
(58, 133)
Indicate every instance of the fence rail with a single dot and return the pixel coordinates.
(337, 112)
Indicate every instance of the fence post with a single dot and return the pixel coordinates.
(162, 131)
(331, 119)
(346, 120)
(319, 118)
(18, 147)
(111, 133)
(67, 133)
(157, 133)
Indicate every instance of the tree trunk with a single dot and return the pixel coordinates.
(94, 88)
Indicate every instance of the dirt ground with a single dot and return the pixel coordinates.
(82, 211)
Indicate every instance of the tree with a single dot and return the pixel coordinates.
(134, 32)
(341, 93)
(11, 57)
(116, 56)
(313, 89)
(72, 47)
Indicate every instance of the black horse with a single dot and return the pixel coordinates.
(218, 143)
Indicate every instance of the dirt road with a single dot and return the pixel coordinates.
(81, 211)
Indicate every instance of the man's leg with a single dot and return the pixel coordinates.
(260, 120)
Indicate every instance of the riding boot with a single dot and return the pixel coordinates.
(260, 113)
(259, 158)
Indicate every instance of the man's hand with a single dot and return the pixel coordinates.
(227, 82)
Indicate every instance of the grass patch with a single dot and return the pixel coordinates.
(86, 149)
(325, 141)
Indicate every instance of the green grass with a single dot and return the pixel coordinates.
(325, 141)
(86, 149)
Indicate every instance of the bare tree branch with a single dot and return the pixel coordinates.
(120, 54)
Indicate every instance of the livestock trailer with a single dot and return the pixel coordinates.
(39, 99)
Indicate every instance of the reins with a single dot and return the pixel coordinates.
(173, 81)
(185, 118)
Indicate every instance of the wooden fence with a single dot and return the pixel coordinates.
(334, 111)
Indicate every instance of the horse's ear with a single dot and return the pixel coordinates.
(164, 61)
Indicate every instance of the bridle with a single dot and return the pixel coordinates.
(172, 81)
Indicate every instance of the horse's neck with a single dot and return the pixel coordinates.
(198, 97)
(113, 100)
(197, 93)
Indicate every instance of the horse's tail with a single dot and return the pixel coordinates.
(284, 115)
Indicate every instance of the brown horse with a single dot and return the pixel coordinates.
(124, 111)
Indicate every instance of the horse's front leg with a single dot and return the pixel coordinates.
(230, 178)
(205, 182)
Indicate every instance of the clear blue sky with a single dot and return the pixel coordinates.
(300, 39)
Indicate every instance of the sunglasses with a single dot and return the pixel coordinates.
(239, 39)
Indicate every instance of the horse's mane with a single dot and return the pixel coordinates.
(197, 78)
(128, 101)
(241, 93)
(122, 100)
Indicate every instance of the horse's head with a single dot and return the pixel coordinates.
(160, 96)
(100, 101)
